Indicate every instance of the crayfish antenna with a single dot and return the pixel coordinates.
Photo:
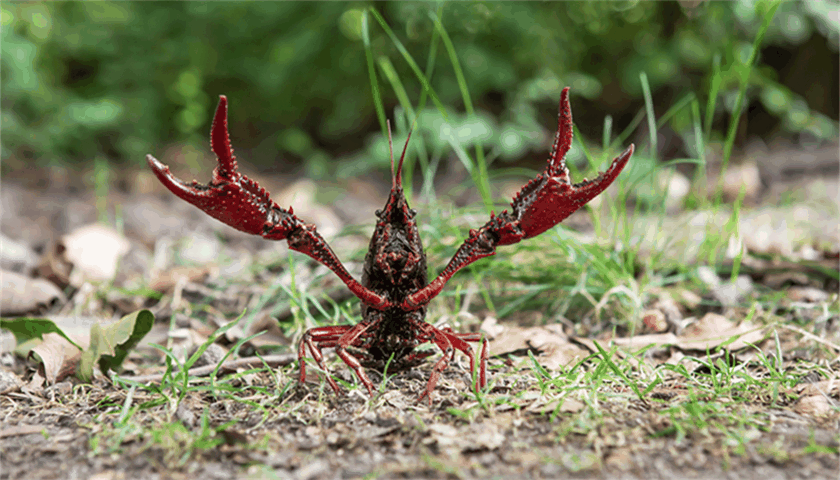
(396, 177)
(402, 157)
(391, 151)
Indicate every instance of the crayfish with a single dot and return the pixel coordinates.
(394, 290)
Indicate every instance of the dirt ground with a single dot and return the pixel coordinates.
(325, 437)
(744, 414)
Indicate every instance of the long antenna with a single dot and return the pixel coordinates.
(391, 151)
(402, 157)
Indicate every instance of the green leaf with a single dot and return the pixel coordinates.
(110, 344)
(25, 329)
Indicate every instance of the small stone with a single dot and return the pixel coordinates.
(731, 293)
(676, 186)
(745, 176)
(708, 276)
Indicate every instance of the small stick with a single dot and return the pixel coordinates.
(229, 366)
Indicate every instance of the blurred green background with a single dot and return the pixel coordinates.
(113, 81)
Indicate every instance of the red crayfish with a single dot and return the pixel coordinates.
(394, 290)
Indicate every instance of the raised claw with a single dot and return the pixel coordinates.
(549, 198)
(242, 203)
(541, 204)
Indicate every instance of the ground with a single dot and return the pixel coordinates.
(716, 377)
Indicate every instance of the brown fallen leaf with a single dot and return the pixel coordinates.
(16, 255)
(714, 330)
(553, 344)
(807, 294)
(709, 332)
(20, 294)
(58, 357)
(813, 405)
(824, 387)
(35, 385)
(9, 381)
(641, 341)
(569, 405)
(54, 265)
(271, 335)
(166, 280)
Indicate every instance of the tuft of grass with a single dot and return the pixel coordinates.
(744, 71)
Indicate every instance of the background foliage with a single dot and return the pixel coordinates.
(116, 80)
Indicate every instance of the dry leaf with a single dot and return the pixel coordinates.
(9, 382)
(20, 294)
(707, 333)
(35, 385)
(15, 255)
(166, 280)
(555, 349)
(813, 405)
(807, 294)
(569, 405)
(58, 357)
(641, 341)
(54, 265)
(21, 429)
(825, 387)
(713, 330)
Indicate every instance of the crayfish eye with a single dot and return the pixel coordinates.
(378, 213)
(413, 212)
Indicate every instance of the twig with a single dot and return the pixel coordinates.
(230, 366)
(811, 336)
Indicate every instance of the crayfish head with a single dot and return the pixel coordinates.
(395, 264)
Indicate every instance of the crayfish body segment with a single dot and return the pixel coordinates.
(394, 290)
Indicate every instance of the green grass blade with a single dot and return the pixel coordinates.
(411, 63)
(605, 139)
(714, 88)
(651, 118)
(700, 145)
(481, 179)
(619, 141)
(430, 61)
(607, 358)
(679, 105)
(374, 83)
(393, 78)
